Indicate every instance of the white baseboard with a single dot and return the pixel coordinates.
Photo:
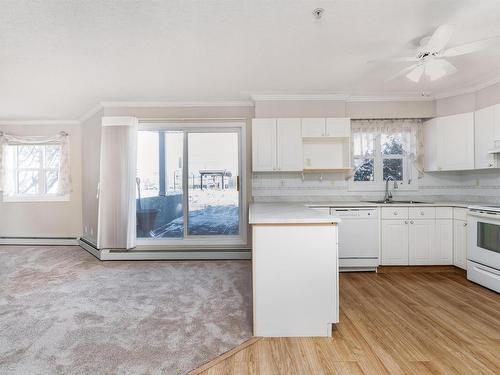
(87, 246)
(39, 241)
(174, 255)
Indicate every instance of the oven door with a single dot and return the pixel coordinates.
(484, 238)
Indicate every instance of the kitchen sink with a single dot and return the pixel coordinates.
(396, 202)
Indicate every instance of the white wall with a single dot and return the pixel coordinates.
(91, 147)
(46, 219)
(340, 108)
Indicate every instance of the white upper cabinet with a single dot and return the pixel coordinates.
(449, 143)
(264, 144)
(486, 136)
(289, 145)
(313, 127)
(338, 127)
(276, 145)
(334, 127)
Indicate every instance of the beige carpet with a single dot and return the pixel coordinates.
(64, 312)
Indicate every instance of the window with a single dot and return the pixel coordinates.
(384, 149)
(32, 172)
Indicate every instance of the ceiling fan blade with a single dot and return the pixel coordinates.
(470, 47)
(438, 68)
(440, 38)
(402, 72)
(416, 73)
(393, 59)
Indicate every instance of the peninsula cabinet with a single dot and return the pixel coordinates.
(276, 145)
(449, 143)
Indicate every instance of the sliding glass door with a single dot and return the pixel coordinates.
(213, 184)
(188, 184)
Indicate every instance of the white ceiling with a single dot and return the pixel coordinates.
(60, 58)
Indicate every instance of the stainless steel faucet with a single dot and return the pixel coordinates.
(388, 194)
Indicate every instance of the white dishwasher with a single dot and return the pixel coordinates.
(359, 238)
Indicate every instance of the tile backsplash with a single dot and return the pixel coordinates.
(465, 186)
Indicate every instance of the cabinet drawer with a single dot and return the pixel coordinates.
(422, 213)
(444, 212)
(394, 212)
(460, 213)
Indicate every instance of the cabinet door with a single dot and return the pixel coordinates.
(484, 133)
(394, 242)
(421, 241)
(443, 251)
(460, 243)
(313, 127)
(289, 146)
(430, 144)
(263, 145)
(338, 127)
(455, 146)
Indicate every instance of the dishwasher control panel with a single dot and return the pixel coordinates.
(354, 212)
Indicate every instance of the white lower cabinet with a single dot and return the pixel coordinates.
(394, 242)
(421, 241)
(420, 236)
(460, 243)
(443, 250)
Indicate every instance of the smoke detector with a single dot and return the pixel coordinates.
(318, 13)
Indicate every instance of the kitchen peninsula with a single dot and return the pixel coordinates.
(295, 270)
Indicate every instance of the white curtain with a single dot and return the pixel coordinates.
(117, 201)
(364, 134)
(64, 173)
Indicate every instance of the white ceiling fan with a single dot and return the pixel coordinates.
(431, 55)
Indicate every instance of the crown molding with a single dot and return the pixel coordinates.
(287, 97)
(91, 112)
(398, 97)
(390, 98)
(216, 103)
(38, 122)
(467, 90)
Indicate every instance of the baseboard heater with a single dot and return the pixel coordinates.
(47, 241)
(117, 254)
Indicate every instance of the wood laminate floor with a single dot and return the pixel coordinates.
(390, 323)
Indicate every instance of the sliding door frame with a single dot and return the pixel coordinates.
(197, 242)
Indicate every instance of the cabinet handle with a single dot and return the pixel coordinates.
(406, 221)
(465, 224)
(411, 222)
(422, 213)
(395, 213)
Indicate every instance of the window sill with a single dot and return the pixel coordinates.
(35, 198)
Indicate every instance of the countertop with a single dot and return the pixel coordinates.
(287, 213)
(369, 204)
